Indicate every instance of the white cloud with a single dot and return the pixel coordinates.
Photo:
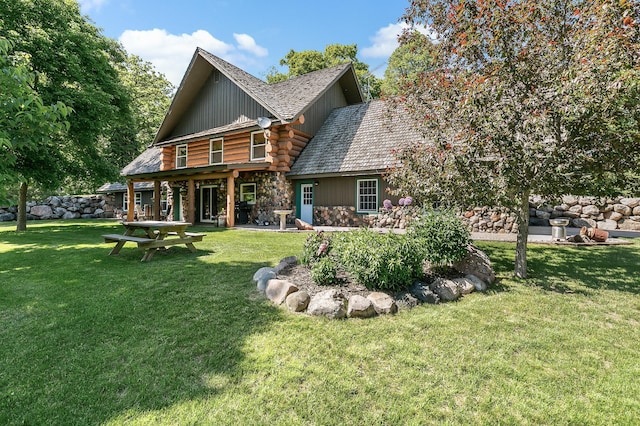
(171, 54)
(246, 42)
(87, 5)
(385, 41)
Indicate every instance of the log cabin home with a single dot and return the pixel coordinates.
(236, 146)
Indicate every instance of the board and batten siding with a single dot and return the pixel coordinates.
(219, 103)
(316, 115)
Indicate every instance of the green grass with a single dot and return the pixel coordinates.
(87, 338)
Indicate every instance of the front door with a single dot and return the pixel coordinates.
(306, 202)
(208, 204)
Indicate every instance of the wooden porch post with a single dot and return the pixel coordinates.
(231, 202)
(156, 200)
(191, 196)
(131, 201)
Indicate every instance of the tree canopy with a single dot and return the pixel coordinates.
(407, 63)
(524, 97)
(299, 63)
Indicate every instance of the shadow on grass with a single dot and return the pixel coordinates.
(565, 269)
(88, 338)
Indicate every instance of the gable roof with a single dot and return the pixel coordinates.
(286, 100)
(121, 187)
(354, 140)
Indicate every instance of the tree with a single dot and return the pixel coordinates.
(151, 95)
(304, 62)
(26, 123)
(407, 63)
(525, 97)
(73, 63)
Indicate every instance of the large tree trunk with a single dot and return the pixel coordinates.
(22, 207)
(523, 236)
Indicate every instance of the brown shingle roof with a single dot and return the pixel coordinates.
(356, 139)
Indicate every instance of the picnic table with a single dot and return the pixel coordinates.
(152, 236)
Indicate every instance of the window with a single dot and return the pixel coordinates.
(248, 192)
(215, 156)
(258, 146)
(367, 195)
(125, 200)
(181, 156)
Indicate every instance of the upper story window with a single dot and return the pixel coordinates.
(181, 156)
(215, 151)
(258, 146)
(367, 195)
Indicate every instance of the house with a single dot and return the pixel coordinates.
(232, 144)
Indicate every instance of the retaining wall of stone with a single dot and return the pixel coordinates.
(67, 207)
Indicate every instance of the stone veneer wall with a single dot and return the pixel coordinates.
(65, 207)
(274, 192)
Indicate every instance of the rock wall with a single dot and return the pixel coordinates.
(67, 207)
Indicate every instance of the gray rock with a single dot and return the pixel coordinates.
(7, 217)
(406, 301)
(465, 285)
(629, 225)
(360, 307)
(328, 303)
(71, 215)
(41, 211)
(447, 290)
(591, 210)
(297, 301)
(607, 224)
(477, 263)
(278, 290)
(423, 293)
(383, 303)
(477, 282)
(285, 263)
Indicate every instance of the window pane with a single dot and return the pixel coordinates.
(368, 195)
(259, 152)
(216, 157)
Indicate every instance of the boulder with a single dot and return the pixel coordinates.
(303, 226)
(477, 282)
(476, 262)
(629, 225)
(7, 217)
(465, 285)
(607, 224)
(41, 211)
(383, 303)
(328, 303)
(297, 301)
(423, 293)
(447, 290)
(360, 307)
(262, 276)
(285, 263)
(278, 290)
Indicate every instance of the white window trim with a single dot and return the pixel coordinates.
(211, 151)
(359, 208)
(242, 193)
(253, 145)
(186, 155)
(137, 199)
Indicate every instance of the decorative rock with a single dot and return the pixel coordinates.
(360, 307)
(383, 303)
(591, 210)
(607, 224)
(476, 263)
(422, 291)
(328, 303)
(631, 202)
(6, 217)
(41, 211)
(477, 282)
(465, 285)
(262, 277)
(622, 209)
(285, 263)
(446, 290)
(629, 225)
(406, 300)
(303, 226)
(278, 290)
(298, 301)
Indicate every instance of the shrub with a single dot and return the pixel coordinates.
(441, 236)
(378, 261)
(324, 271)
(311, 252)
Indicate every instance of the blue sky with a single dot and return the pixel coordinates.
(253, 35)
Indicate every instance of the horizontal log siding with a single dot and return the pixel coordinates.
(198, 154)
(168, 158)
(237, 148)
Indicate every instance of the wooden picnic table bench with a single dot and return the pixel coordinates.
(157, 235)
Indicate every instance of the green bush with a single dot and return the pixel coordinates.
(312, 245)
(441, 236)
(324, 271)
(378, 261)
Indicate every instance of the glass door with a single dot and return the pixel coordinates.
(208, 204)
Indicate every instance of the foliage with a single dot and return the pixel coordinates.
(27, 124)
(306, 61)
(524, 97)
(378, 261)
(324, 271)
(311, 251)
(73, 63)
(441, 236)
(407, 62)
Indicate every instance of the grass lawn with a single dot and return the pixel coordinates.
(87, 338)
